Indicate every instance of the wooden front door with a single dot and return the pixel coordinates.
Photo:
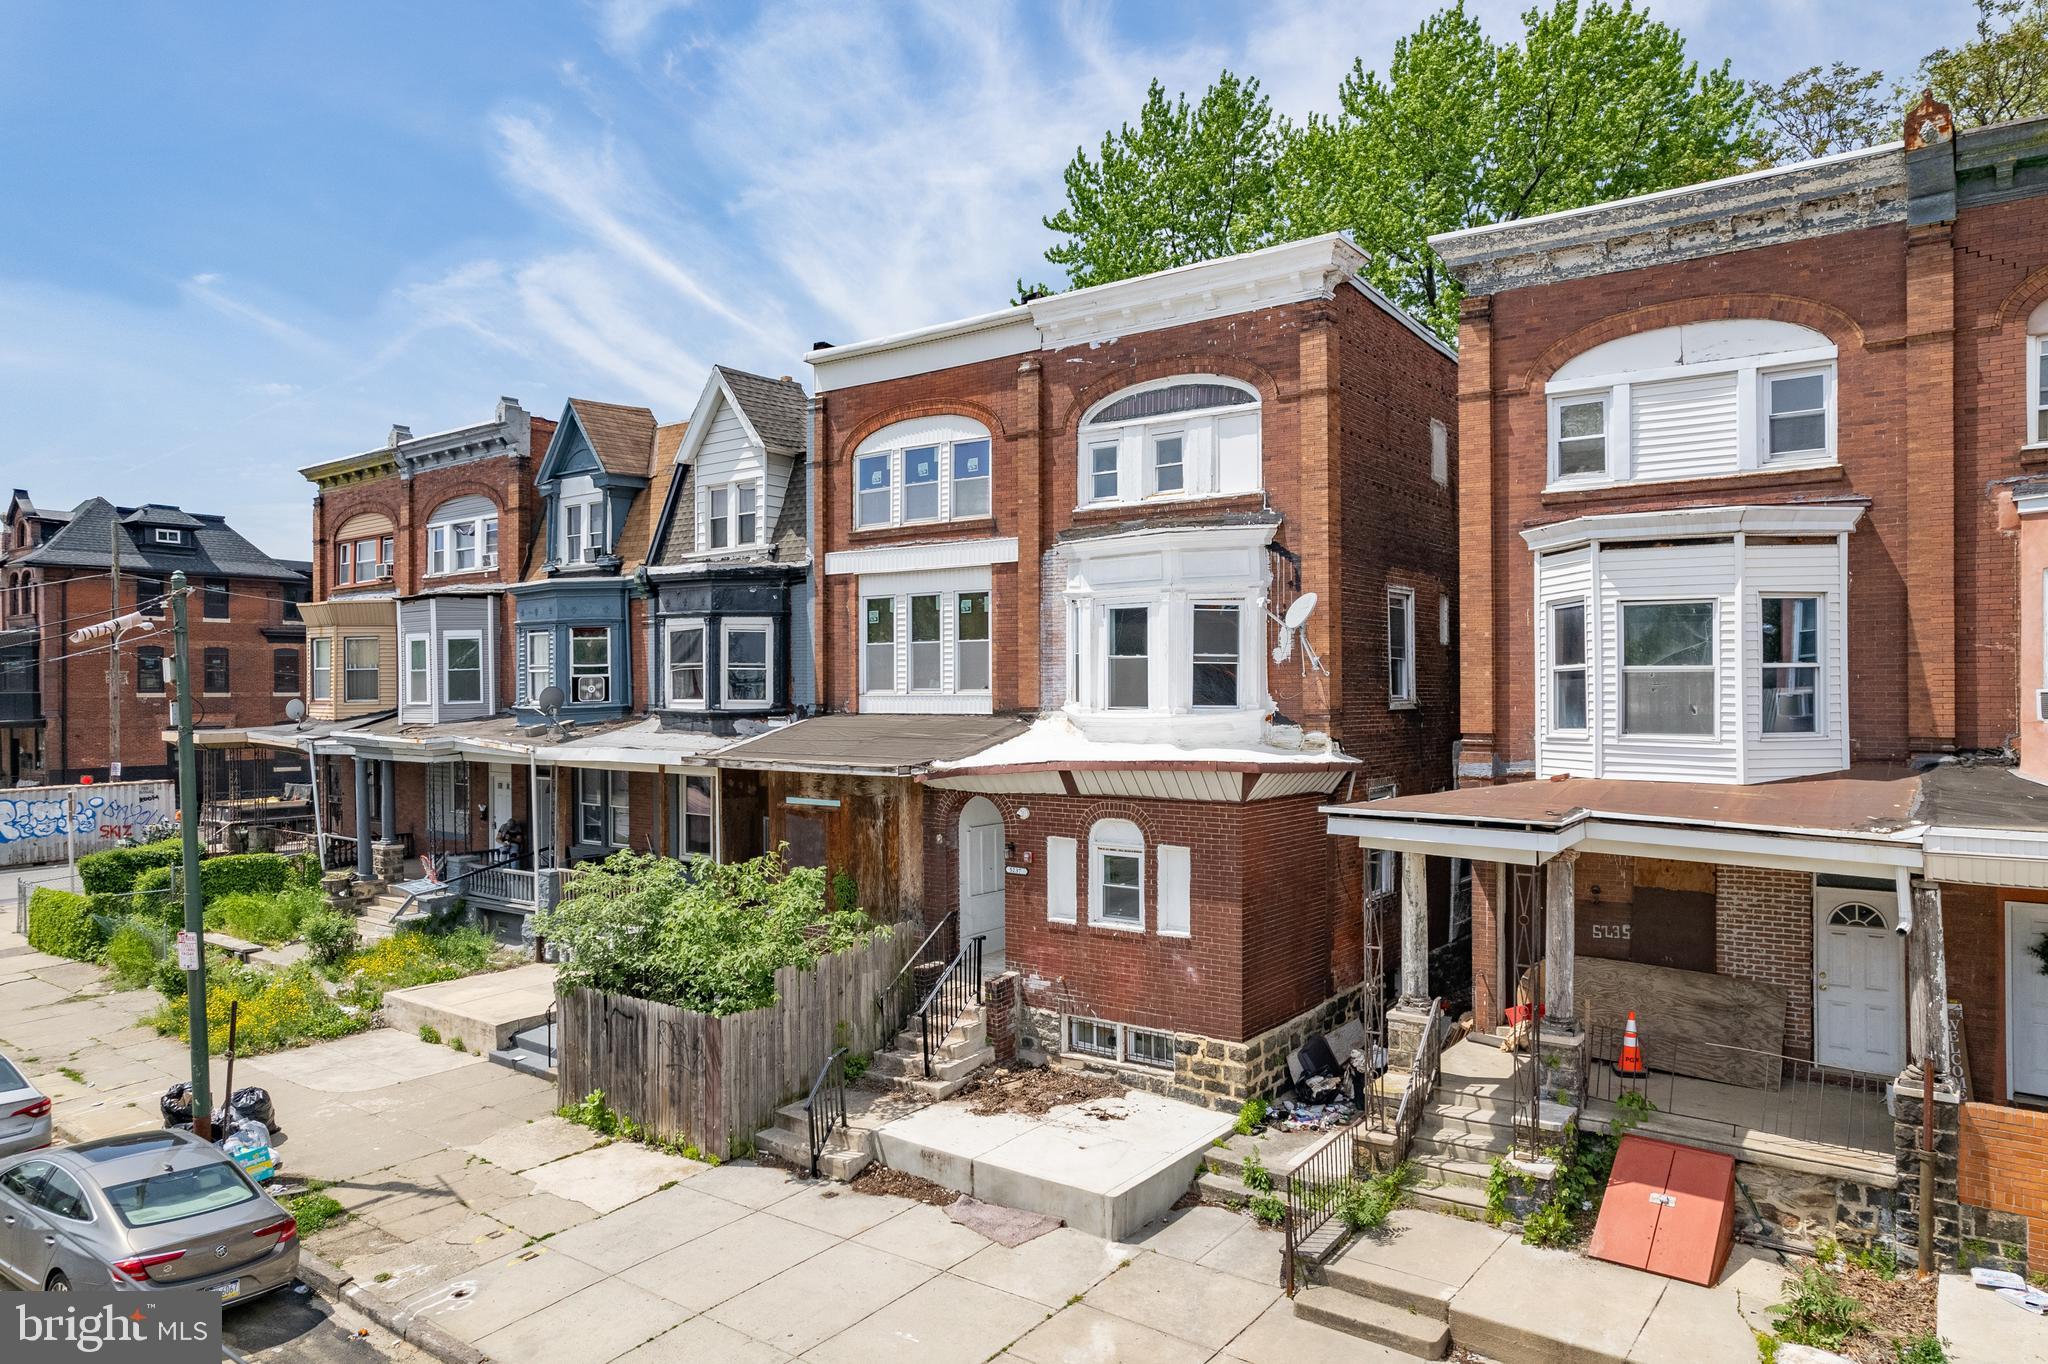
(1859, 1016)
(2026, 1005)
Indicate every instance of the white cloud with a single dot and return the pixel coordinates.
(625, 25)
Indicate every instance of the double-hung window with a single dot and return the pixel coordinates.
(322, 650)
(464, 547)
(715, 523)
(878, 649)
(284, 672)
(590, 663)
(1791, 665)
(971, 642)
(1667, 668)
(686, 664)
(344, 563)
(1798, 414)
(583, 530)
(603, 813)
(1168, 471)
(873, 490)
(1580, 439)
(1400, 646)
(746, 515)
(694, 812)
(359, 668)
(929, 469)
(927, 645)
(2037, 389)
(970, 478)
(1568, 666)
(1102, 473)
(1116, 883)
(462, 657)
(921, 483)
(149, 596)
(1130, 647)
(215, 675)
(214, 601)
(419, 675)
(540, 664)
(1216, 645)
(149, 671)
(747, 651)
(437, 549)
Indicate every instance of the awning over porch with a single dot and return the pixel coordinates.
(1055, 745)
(870, 745)
(1986, 825)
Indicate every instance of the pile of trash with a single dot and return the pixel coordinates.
(242, 1128)
(1323, 1092)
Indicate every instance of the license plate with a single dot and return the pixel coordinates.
(230, 1290)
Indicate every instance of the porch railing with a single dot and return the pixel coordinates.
(1425, 1069)
(825, 1105)
(457, 884)
(337, 852)
(1315, 1188)
(957, 990)
(1827, 1105)
(505, 885)
(898, 1001)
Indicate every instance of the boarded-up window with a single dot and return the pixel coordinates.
(1062, 879)
(1175, 877)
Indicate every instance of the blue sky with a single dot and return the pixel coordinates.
(239, 238)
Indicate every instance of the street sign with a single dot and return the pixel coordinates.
(188, 951)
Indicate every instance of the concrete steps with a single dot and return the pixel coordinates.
(1407, 1332)
(963, 1051)
(530, 1051)
(848, 1153)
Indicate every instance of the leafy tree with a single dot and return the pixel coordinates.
(1820, 111)
(2002, 73)
(1189, 182)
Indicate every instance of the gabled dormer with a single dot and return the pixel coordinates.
(595, 468)
(740, 493)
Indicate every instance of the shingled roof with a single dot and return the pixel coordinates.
(622, 437)
(217, 551)
(773, 407)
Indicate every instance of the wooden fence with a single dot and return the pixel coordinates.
(716, 1080)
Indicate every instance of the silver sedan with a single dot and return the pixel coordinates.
(142, 1212)
(24, 1112)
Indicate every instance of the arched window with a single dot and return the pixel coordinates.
(462, 536)
(1693, 401)
(2037, 377)
(1116, 874)
(926, 469)
(363, 550)
(1856, 916)
(1194, 435)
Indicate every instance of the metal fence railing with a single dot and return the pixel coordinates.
(825, 1105)
(1315, 1188)
(897, 1003)
(957, 990)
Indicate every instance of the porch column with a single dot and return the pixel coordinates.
(1926, 981)
(387, 815)
(1560, 939)
(1415, 931)
(363, 817)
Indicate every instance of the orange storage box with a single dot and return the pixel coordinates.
(1669, 1209)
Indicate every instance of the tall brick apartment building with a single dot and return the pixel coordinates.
(246, 638)
(1752, 642)
(1106, 512)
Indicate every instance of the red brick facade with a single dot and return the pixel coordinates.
(2003, 1166)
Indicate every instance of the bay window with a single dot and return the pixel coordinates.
(1130, 629)
(1216, 646)
(971, 643)
(322, 649)
(1791, 664)
(2037, 381)
(1667, 668)
(590, 663)
(1568, 666)
(686, 664)
(747, 653)
(462, 661)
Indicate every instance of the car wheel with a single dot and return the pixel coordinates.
(58, 1283)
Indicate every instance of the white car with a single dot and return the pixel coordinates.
(24, 1112)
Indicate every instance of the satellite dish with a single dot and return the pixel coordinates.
(550, 700)
(295, 710)
(1298, 614)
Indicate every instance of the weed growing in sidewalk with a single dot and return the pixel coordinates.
(430, 1034)
(1816, 1311)
(312, 1208)
(593, 1112)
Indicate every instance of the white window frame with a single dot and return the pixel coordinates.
(669, 630)
(867, 676)
(718, 530)
(746, 506)
(897, 486)
(1795, 458)
(539, 673)
(1135, 439)
(419, 690)
(1560, 401)
(936, 645)
(728, 627)
(1118, 838)
(321, 650)
(1148, 609)
(613, 803)
(586, 544)
(961, 644)
(437, 551)
(168, 536)
(1401, 696)
(1622, 670)
(684, 782)
(1195, 659)
(483, 530)
(1090, 451)
(1153, 436)
(1819, 666)
(483, 669)
(887, 492)
(1584, 667)
(1381, 873)
(2035, 432)
(588, 631)
(986, 478)
(942, 455)
(375, 670)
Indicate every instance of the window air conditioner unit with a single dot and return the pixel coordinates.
(2041, 704)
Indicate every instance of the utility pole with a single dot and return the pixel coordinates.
(188, 823)
(114, 657)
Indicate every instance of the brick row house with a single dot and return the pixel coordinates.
(1753, 531)
(56, 707)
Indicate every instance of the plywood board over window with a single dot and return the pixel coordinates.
(1677, 1011)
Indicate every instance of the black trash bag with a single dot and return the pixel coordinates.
(251, 1105)
(176, 1105)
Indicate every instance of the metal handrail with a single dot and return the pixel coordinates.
(957, 987)
(1425, 1069)
(898, 1000)
(834, 1117)
(499, 859)
(1315, 1187)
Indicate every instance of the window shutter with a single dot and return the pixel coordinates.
(1175, 877)
(519, 683)
(1062, 870)
(1684, 429)
(1237, 453)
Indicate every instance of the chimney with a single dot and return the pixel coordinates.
(399, 434)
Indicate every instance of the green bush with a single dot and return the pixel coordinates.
(63, 925)
(1251, 1116)
(268, 919)
(278, 1009)
(169, 980)
(115, 870)
(1922, 1350)
(702, 936)
(412, 956)
(329, 935)
(1816, 1311)
(133, 951)
(243, 874)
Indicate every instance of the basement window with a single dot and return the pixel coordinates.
(1147, 1048)
(1092, 1037)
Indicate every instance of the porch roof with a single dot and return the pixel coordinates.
(1986, 825)
(1055, 743)
(1866, 818)
(871, 745)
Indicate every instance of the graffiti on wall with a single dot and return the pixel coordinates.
(40, 820)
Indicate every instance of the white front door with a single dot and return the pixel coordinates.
(981, 876)
(1859, 1016)
(2026, 1002)
(501, 798)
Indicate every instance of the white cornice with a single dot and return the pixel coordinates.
(1812, 518)
(923, 557)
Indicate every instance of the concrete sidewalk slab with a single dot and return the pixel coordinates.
(653, 1226)
(1190, 1233)
(527, 1145)
(493, 1296)
(700, 1340)
(1446, 1250)
(1979, 1327)
(1085, 1335)
(1251, 1252)
(1280, 1337)
(753, 1186)
(808, 1304)
(1050, 1269)
(925, 1234)
(369, 1060)
(939, 1322)
(607, 1178)
(1205, 1306)
(482, 1011)
(835, 1209)
(591, 1326)
(1528, 1303)
(728, 1261)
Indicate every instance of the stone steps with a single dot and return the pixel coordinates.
(955, 1059)
(1460, 1144)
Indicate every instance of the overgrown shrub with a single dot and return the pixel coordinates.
(242, 874)
(269, 919)
(278, 1009)
(1251, 1116)
(62, 924)
(703, 936)
(1816, 1311)
(133, 951)
(1366, 1203)
(329, 935)
(115, 869)
(169, 980)
(412, 956)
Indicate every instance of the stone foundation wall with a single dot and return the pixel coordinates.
(1906, 1151)
(2002, 1182)
(1799, 1207)
(1206, 1071)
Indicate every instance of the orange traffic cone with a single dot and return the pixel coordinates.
(1630, 1064)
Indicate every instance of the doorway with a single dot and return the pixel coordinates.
(1859, 1018)
(981, 879)
(501, 798)
(2026, 1001)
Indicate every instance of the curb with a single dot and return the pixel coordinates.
(331, 1282)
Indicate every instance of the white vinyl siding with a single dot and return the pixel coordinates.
(1563, 579)
(1685, 428)
(733, 467)
(1062, 878)
(1778, 570)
